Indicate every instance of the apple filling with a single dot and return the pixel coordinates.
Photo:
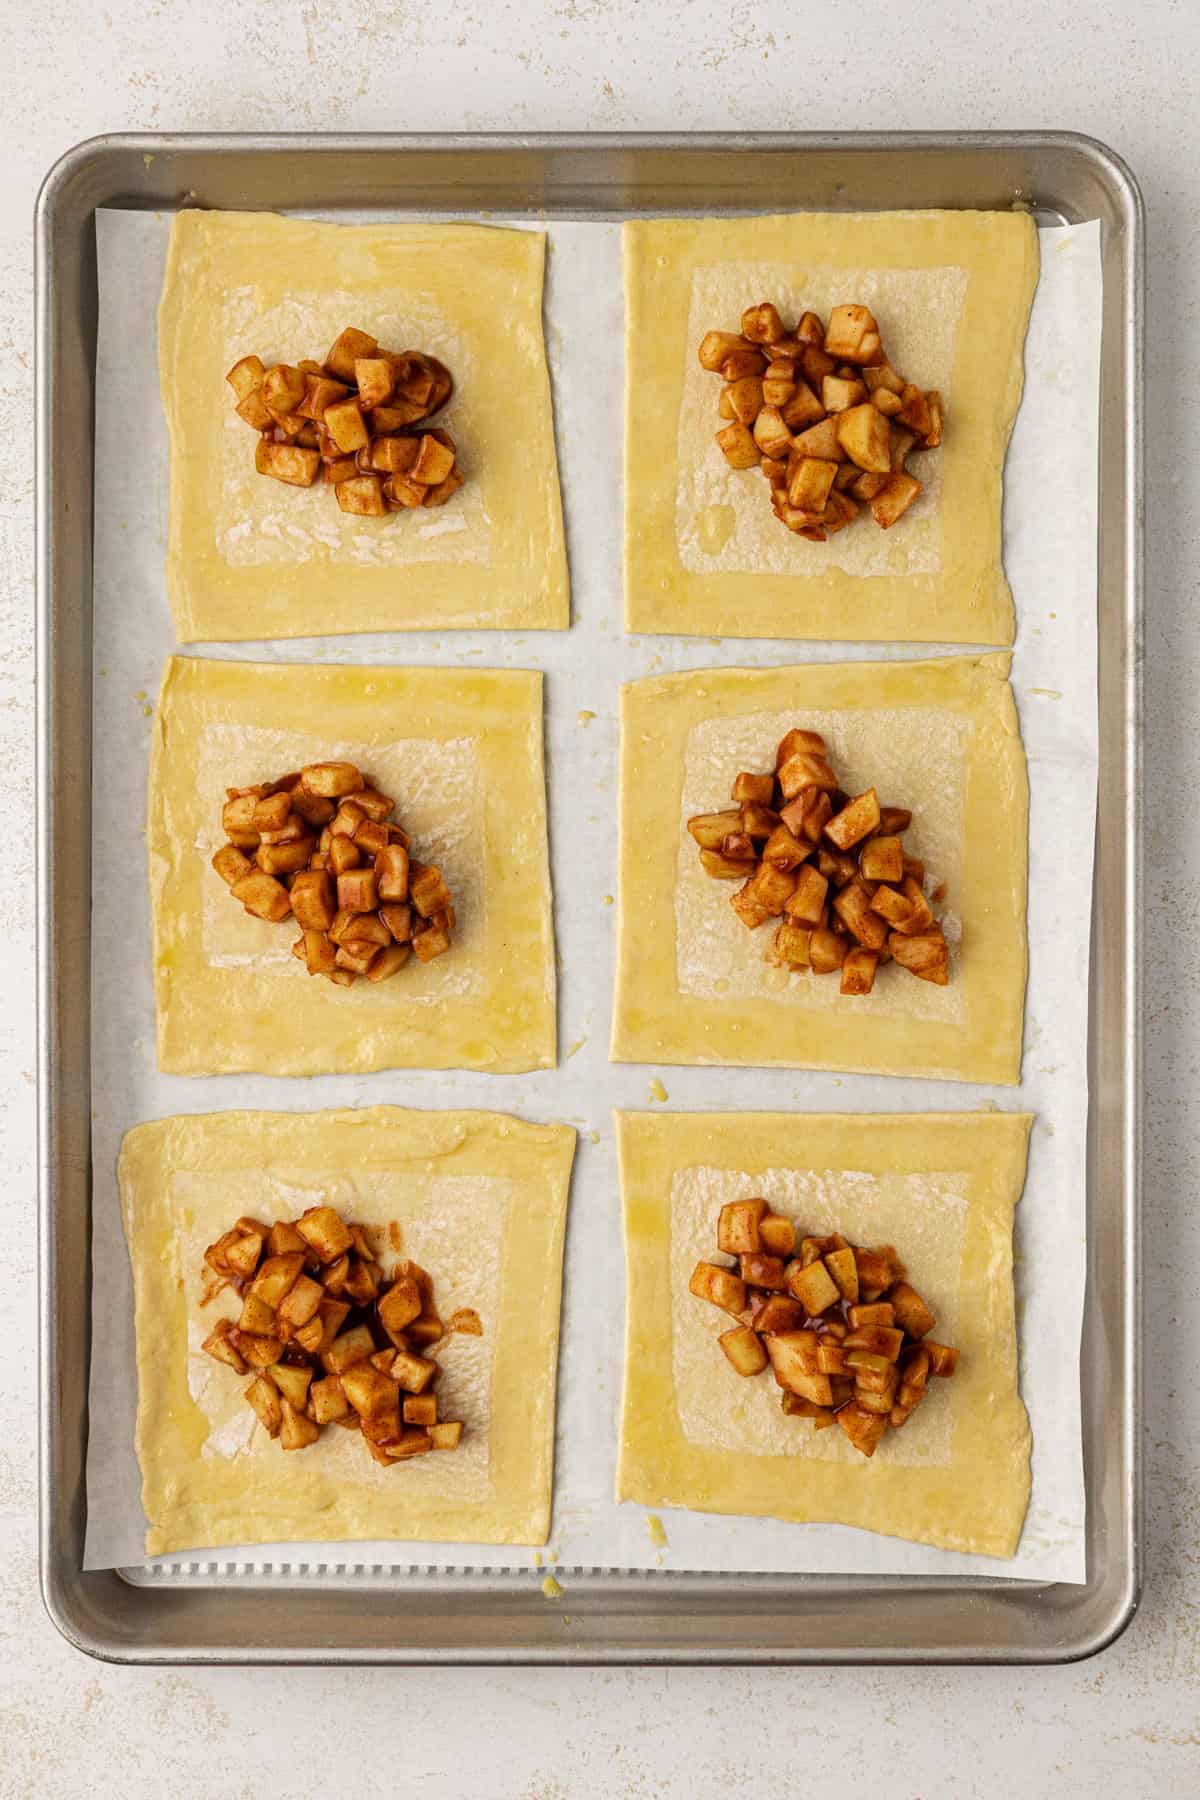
(831, 867)
(329, 1339)
(844, 1334)
(821, 411)
(321, 848)
(357, 421)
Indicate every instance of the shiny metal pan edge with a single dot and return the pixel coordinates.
(221, 1613)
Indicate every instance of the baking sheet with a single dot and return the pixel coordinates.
(1050, 542)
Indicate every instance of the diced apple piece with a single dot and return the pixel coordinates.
(345, 352)
(738, 1226)
(912, 1314)
(856, 821)
(943, 1359)
(413, 1373)
(882, 375)
(779, 1313)
(260, 1349)
(745, 398)
(864, 436)
(371, 1393)
(852, 334)
(446, 1434)
(283, 389)
(276, 1277)
(327, 1400)
(771, 435)
(347, 1350)
(880, 1340)
(243, 1253)
(330, 780)
(783, 851)
(791, 945)
(710, 829)
(840, 1265)
(296, 1432)
(325, 1233)
(218, 1345)
(738, 446)
(864, 1429)
(853, 907)
(292, 1380)
(807, 903)
(890, 905)
(421, 1409)
(926, 956)
(877, 1268)
(246, 376)
(762, 324)
(809, 483)
(721, 1287)
(820, 441)
(894, 499)
(858, 971)
(799, 410)
(747, 363)
(827, 951)
(263, 1396)
(766, 893)
(805, 769)
(715, 346)
(878, 1312)
(744, 1348)
(288, 463)
(231, 865)
(777, 1233)
(793, 1356)
(300, 1304)
(814, 1288)
(838, 394)
(362, 496)
(427, 889)
(760, 1269)
(880, 859)
(399, 1306)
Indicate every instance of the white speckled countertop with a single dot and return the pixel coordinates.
(1130, 1719)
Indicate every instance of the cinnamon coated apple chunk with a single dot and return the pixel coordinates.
(826, 870)
(329, 1338)
(841, 1328)
(820, 410)
(321, 847)
(359, 422)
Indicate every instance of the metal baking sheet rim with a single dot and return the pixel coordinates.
(363, 1616)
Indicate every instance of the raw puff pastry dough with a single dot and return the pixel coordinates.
(460, 751)
(481, 1201)
(940, 737)
(703, 551)
(942, 1187)
(250, 558)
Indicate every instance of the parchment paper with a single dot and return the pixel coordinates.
(1050, 538)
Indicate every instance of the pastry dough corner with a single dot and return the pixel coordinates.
(380, 1163)
(248, 558)
(973, 1496)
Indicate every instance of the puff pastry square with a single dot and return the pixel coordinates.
(703, 552)
(250, 558)
(460, 751)
(942, 1187)
(940, 737)
(480, 1200)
